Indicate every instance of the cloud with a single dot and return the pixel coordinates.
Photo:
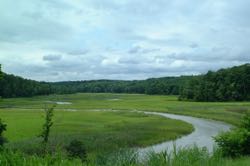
(30, 22)
(134, 50)
(194, 45)
(52, 57)
(78, 52)
(57, 40)
(140, 49)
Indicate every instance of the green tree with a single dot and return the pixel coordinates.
(236, 142)
(48, 124)
(1, 74)
(2, 125)
(232, 84)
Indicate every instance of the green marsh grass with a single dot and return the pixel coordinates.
(105, 133)
(99, 130)
(229, 112)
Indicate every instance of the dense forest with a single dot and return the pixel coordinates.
(232, 84)
(163, 86)
(14, 86)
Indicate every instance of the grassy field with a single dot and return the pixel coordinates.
(99, 130)
(229, 112)
(106, 131)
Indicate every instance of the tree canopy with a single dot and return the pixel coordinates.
(14, 86)
(232, 84)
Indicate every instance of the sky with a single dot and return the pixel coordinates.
(62, 40)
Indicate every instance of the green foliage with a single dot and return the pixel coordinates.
(1, 74)
(2, 129)
(236, 142)
(193, 156)
(2, 125)
(183, 157)
(232, 84)
(121, 157)
(23, 115)
(98, 130)
(16, 158)
(246, 121)
(76, 149)
(14, 86)
(162, 86)
(48, 123)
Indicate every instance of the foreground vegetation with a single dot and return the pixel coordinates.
(191, 156)
(236, 142)
(182, 157)
(99, 131)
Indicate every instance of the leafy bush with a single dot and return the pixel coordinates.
(246, 122)
(236, 142)
(2, 129)
(76, 149)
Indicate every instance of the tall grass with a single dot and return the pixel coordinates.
(229, 112)
(193, 156)
(98, 130)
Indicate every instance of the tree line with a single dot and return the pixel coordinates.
(232, 84)
(162, 86)
(15, 86)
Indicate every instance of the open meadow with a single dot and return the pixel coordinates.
(106, 122)
(81, 117)
(229, 112)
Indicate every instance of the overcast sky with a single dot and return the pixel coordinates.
(55, 40)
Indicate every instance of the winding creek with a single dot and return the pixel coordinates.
(202, 136)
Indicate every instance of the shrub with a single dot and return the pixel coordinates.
(246, 122)
(76, 149)
(2, 129)
(48, 123)
(236, 142)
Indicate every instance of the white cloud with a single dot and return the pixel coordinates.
(56, 40)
